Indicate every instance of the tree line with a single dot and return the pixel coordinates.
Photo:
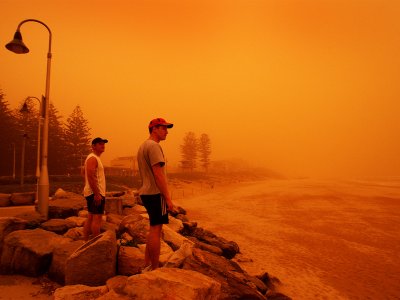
(195, 149)
(68, 144)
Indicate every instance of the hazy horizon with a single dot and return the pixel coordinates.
(304, 88)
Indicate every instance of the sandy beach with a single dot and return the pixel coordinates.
(323, 239)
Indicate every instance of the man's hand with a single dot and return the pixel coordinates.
(170, 206)
(97, 199)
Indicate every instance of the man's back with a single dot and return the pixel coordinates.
(149, 154)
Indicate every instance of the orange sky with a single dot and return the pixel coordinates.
(305, 87)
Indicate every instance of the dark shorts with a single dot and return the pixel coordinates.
(93, 208)
(156, 207)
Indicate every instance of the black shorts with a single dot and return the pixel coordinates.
(93, 208)
(156, 207)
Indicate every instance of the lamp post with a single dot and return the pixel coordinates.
(39, 131)
(17, 46)
(25, 107)
(24, 110)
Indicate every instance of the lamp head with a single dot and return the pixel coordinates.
(24, 108)
(17, 45)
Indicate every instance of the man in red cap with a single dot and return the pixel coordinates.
(154, 192)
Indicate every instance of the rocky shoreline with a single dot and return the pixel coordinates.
(197, 264)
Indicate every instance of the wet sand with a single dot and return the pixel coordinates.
(322, 239)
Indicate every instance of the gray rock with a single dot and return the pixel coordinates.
(165, 251)
(229, 248)
(94, 262)
(130, 260)
(75, 233)
(205, 247)
(140, 209)
(172, 238)
(235, 283)
(79, 221)
(106, 226)
(113, 295)
(59, 226)
(83, 213)
(79, 292)
(175, 224)
(66, 207)
(182, 217)
(117, 283)
(177, 259)
(115, 194)
(60, 256)
(33, 218)
(5, 200)
(23, 198)
(113, 205)
(166, 282)
(8, 225)
(138, 230)
(128, 201)
(114, 218)
(29, 252)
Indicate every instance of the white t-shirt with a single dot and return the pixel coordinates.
(101, 178)
(149, 154)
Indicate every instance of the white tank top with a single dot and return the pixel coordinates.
(101, 178)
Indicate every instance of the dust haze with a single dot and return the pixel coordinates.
(304, 89)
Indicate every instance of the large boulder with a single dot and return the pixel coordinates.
(137, 226)
(59, 226)
(128, 201)
(79, 292)
(130, 260)
(33, 218)
(113, 205)
(66, 207)
(29, 252)
(178, 257)
(229, 248)
(83, 213)
(235, 283)
(23, 198)
(113, 295)
(165, 251)
(117, 283)
(205, 246)
(60, 256)
(171, 283)
(8, 225)
(78, 221)
(5, 200)
(75, 233)
(172, 238)
(94, 262)
(114, 218)
(175, 224)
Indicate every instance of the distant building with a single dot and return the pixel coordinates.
(125, 165)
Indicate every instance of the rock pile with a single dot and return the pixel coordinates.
(197, 264)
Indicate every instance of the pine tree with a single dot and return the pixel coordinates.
(8, 137)
(189, 151)
(204, 147)
(57, 163)
(77, 135)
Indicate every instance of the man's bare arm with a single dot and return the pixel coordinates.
(161, 182)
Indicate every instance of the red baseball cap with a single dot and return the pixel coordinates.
(160, 121)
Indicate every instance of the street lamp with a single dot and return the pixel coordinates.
(18, 46)
(24, 111)
(40, 117)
